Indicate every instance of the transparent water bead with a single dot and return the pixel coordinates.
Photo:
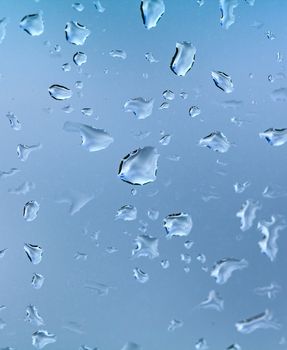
(33, 24)
(93, 139)
(60, 92)
(145, 246)
(30, 211)
(127, 213)
(183, 59)
(152, 11)
(216, 141)
(34, 253)
(227, 8)
(140, 166)
(76, 33)
(37, 280)
(223, 81)
(80, 58)
(177, 225)
(140, 107)
(275, 137)
(24, 151)
(263, 320)
(41, 338)
(140, 275)
(32, 316)
(224, 268)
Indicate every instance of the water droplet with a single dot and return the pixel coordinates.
(76, 200)
(23, 151)
(149, 57)
(174, 324)
(152, 11)
(164, 105)
(99, 6)
(177, 225)
(270, 291)
(3, 24)
(14, 121)
(223, 81)
(183, 95)
(37, 280)
(80, 58)
(66, 67)
(140, 107)
(24, 188)
(165, 264)
(275, 137)
(274, 191)
(227, 12)
(140, 166)
(127, 213)
(68, 109)
(78, 6)
(153, 214)
(194, 111)
(186, 258)
(216, 141)
(88, 112)
(224, 268)
(201, 344)
(183, 58)
(30, 211)
(279, 95)
(145, 246)
(8, 173)
(92, 139)
(41, 338)
(131, 346)
(212, 302)
(3, 324)
(241, 187)
(59, 92)
(188, 244)
(270, 35)
(34, 253)
(247, 214)
(168, 95)
(200, 2)
(201, 258)
(33, 24)
(140, 275)
(118, 54)
(81, 256)
(270, 231)
(165, 140)
(263, 320)
(250, 2)
(76, 33)
(33, 316)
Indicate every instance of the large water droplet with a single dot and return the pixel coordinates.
(140, 107)
(80, 58)
(92, 139)
(275, 137)
(33, 24)
(41, 338)
(145, 246)
(183, 58)
(23, 151)
(60, 92)
(140, 166)
(76, 33)
(177, 225)
(227, 12)
(223, 81)
(151, 11)
(31, 210)
(216, 141)
(34, 253)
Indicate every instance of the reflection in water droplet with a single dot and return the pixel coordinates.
(127, 213)
(34, 253)
(223, 81)
(41, 338)
(227, 12)
(80, 58)
(216, 141)
(140, 107)
(59, 92)
(76, 33)
(33, 24)
(152, 11)
(92, 139)
(224, 268)
(140, 166)
(183, 58)
(31, 210)
(275, 137)
(140, 275)
(260, 321)
(145, 246)
(177, 225)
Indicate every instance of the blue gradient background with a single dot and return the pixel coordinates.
(133, 311)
